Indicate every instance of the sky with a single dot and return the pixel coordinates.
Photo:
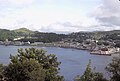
(60, 16)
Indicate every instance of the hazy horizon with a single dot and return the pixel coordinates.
(63, 32)
(60, 16)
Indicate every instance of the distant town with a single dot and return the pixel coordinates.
(98, 42)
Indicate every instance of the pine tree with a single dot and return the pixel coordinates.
(89, 75)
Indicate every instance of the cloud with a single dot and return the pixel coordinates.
(108, 12)
(69, 27)
(47, 16)
(7, 6)
(44, 18)
(16, 2)
(60, 27)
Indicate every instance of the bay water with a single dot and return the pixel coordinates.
(73, 61)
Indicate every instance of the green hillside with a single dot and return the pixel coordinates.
(33, 36)
(98, 35)
(29, 35)
(23, 32)
(6, 34)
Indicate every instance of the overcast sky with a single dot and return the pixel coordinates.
(60, 16)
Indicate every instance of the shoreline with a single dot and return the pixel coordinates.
(91, 52)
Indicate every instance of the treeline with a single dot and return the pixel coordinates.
(96, 35)
(6, 34)
(32, 36)
(44, 37)
(35, 65)
(35, 36)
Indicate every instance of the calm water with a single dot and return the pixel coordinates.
(73, 61)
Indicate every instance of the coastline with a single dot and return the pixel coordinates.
(93, 52)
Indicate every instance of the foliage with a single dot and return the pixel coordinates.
(32, 36)
(111, 35)
(117, 44)
(114, 69)
(32, 65)
(48, 37)
(79, 36)
(1, 68)
(25, 70)
(23, 31)
(96, 35)
(1, 71)
(35, 36)
(6, 34)
(99, 43)
(99, 77)
(106, 43)
(90, 76)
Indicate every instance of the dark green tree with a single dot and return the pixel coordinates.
(89, 75)
(25, 70)
(99, 77)
(1, 72)
(27, 58)
(114, 69)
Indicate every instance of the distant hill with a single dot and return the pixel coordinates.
(23, 31)
(6, 34)
(104, 35)
(33, 36)
(29, 35)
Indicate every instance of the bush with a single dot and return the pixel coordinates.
(33, 65)
(90, 76)
(114, 69)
